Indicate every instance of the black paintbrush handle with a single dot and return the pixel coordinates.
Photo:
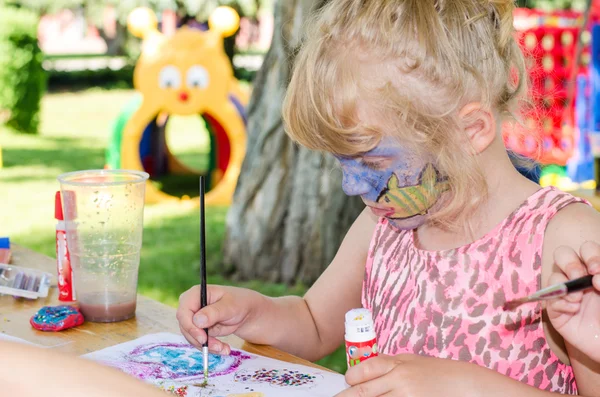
(203, 297)
(579, 284)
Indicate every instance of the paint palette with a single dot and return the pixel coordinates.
(24, 282)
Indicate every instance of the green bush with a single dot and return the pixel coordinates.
(22, 78)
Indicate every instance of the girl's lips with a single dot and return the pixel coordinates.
(382, 211)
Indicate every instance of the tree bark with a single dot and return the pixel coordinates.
(289, 213)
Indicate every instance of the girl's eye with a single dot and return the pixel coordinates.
(377, 164)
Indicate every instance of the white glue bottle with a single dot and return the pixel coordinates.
(361, 340)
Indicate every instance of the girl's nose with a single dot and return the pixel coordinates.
(353, 185)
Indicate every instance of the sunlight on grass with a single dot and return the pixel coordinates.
(188, 140)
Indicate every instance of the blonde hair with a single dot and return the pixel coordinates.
(415, 64)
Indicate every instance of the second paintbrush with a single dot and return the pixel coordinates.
(553, 292)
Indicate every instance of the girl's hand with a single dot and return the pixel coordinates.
(229, 310)
(577, 316)
(408, 375)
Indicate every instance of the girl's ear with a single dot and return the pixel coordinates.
(479, 125)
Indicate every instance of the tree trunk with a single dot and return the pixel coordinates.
(289, 213)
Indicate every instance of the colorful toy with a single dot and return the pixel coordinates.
(56, 318)
(556, 127)
(187, 73)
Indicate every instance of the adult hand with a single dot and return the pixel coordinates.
(577, 316)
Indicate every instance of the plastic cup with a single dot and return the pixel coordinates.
(104, 216)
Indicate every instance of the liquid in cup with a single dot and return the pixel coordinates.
(104, 216)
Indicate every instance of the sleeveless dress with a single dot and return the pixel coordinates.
(448, 304)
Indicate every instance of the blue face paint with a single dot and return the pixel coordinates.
(397, 183)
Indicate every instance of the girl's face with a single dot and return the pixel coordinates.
(394, 182)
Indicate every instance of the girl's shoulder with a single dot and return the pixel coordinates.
(573, 225)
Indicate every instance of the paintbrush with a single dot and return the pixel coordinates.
(553, 292)
(203, 296)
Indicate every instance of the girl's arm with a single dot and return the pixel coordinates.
(28, 371)
(310, 327)
(315, 323)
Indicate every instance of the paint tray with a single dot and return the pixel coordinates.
(24, 282)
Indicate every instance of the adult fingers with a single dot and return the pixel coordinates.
(558, 278)
(590, 253)
(569, 262)
(563, 306)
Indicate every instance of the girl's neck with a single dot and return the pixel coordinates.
(507, 190)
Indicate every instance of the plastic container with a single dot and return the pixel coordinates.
(103, 211)
(361, 340)
(66, 288)
(24, 282)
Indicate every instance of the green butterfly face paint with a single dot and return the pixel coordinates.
(409, 201)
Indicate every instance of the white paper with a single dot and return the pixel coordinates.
(169, 362)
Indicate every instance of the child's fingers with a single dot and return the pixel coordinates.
(218, 347)
(214, 314)
(188, 310)
(190, 338)
(190, 299)
(214, 345)
(590, 253)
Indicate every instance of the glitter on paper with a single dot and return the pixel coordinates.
(178, 391)
(276, 377)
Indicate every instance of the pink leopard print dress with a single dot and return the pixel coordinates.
(448, 304)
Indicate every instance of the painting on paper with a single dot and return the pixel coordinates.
(169, 362)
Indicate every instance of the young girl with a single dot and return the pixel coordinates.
(410, 96)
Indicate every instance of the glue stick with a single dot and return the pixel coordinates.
(361, 341)
(66, 291)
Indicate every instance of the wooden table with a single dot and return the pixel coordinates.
(151, 317)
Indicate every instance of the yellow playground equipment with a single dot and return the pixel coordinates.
(187, 73)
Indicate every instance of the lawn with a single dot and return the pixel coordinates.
(75, 130)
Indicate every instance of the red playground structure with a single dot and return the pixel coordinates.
(557, 57)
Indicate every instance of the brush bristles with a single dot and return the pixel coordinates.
(512, 305)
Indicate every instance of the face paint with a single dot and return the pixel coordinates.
(395, 183)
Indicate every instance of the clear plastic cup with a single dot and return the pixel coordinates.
(104, 216)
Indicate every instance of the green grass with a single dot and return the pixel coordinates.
(75, 130)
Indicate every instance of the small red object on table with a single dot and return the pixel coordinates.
(4, 250)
